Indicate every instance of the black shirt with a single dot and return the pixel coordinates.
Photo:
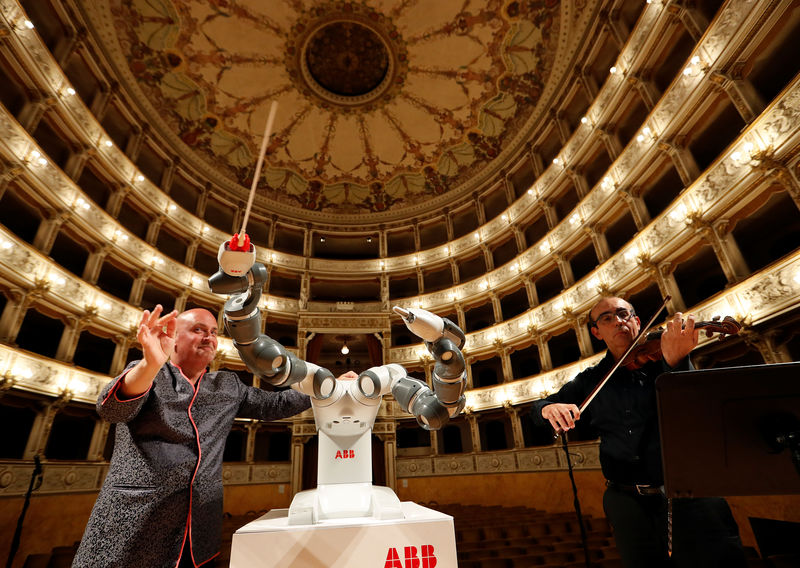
(625, 416)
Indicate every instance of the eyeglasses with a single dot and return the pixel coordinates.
(607, 318)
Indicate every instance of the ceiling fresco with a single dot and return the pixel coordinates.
(381, 104)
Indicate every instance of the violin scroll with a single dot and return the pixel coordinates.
(726, 326)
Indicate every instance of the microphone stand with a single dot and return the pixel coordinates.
(36, 478)
(576, 502)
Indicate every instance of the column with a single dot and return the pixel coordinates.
(99, 105)
(153, 229)
(70, 336)
(99, 438)
(137, 288)
(202, 201)
(516, 425)
(505, 362)
(272, 231)
(587, 82)
(168, 175)
(461, 317)
(773, 168)
(122, 345)
(578, 324)
(742, 93)
(65, 47)
(48, 230)
(488, 260)
(474, 432)
(730, 257)
(305, 290)
(616, 27)
(94, 264)
(479, 209)
(19, 302)
(561, 126)
(8, 173)
(683, 160)
(579, 181)
(611, 141)
(191, 251)
(76, 161)
(664, 276)
(536, 160)
(639, 212)
(116, 199)
(180, 301)
(468, 360)
(565, 270)
(771, 349)
(519, 237)
(42, 424)
(497, 309)
(448, 224)
(454, 271)
(252, 428)
(298, 446)
(545, 360)
(33, 110)
(530, 290)
(550, 213)
(599, 241)
(693, 19)
(647, 89)
(508, 187)
(135, 141)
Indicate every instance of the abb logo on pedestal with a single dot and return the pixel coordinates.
(426, 558)
(344, 454)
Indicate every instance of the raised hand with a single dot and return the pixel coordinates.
(678, 340)
(157, 335)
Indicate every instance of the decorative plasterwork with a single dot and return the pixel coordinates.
(81, 477)
(585, 456)
(459, 81)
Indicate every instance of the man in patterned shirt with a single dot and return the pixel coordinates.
(161, 502)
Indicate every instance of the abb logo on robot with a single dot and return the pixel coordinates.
(425, 559)
(344, 454)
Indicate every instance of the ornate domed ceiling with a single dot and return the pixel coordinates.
(382, 105)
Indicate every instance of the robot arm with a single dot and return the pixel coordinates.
(243, 278)
(433, 408)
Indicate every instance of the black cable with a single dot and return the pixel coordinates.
(576, 502)
(37, 473)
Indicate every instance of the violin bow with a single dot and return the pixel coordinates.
(637, 339)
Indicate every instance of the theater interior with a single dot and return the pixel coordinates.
(500, 163)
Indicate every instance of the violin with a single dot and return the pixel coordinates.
(650, 347)
(641, 352)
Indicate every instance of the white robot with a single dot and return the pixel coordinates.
(345, 408)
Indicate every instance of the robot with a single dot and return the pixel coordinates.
(344, 408)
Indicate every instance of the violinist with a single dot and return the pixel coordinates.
(624, 414)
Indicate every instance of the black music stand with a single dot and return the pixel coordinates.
(731, 431)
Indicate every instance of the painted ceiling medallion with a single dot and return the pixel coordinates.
(382, 104)
(346, 55)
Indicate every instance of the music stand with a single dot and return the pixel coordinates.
(718, 430)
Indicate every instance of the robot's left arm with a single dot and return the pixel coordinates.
(243, 278)
(433, 408)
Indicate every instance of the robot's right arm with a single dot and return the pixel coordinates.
(264, 356)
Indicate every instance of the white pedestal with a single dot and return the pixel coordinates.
(422, 539)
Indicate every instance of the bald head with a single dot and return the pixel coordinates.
(195, 340)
